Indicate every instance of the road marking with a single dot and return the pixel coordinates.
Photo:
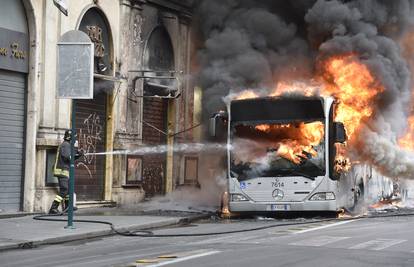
(213, 240)
(318, 241)
(167, 257)
(146, 261)
(323, 227)
(378, 244)
(260, 240)
(185, 258)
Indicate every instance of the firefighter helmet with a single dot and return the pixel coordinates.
(68, 135)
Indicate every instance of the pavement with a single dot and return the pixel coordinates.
(20, 230)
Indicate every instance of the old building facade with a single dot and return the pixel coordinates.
(142, 100)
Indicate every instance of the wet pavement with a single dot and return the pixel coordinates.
(22, 231)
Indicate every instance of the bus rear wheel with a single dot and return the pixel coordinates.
(358, 197)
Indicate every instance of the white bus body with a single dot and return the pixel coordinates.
(298, 193)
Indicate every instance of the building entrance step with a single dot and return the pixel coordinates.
(96, 204)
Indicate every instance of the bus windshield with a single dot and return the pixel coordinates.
(278, 149)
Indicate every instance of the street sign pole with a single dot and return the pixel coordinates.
(75, 81)
(72, 168)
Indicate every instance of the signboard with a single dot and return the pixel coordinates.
(94, 24)
(75, 66)
(14, 51)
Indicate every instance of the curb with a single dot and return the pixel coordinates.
(19, 214)
(101, 233)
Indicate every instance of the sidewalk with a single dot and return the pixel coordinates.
(25, 232)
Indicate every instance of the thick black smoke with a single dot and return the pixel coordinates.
(248, 45)
(354, 28)
(255, 44)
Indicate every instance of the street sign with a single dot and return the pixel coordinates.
(75, 66)
(75, 81)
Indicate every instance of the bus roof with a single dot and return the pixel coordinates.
(278, 109)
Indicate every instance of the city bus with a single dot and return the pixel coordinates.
(283, 156)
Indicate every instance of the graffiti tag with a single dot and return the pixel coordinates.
(89, 136)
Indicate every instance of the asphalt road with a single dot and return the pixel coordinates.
(387, 241)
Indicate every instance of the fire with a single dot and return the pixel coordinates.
(297, 141)
(342, 163)
(345, 78)
(246, 94)
(281, 88)
(263, 127)
(355, 89)
(295, 87)
(407, 141)
(381, 204)
(225, 212)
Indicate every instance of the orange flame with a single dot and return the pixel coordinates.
(407, 141)
(225, 211)
(342, 163)
(345, 78)
(305, 89)
(246, 94)
(300, 142)
(355, 88)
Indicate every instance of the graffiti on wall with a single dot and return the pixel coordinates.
(90, 135)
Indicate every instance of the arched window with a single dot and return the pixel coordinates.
(95, 25)
(159, 60)
(159, 53)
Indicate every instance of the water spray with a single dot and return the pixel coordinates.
(189, 148)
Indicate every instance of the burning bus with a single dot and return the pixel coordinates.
(286, 154)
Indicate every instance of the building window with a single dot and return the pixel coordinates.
(191, 170)
(134, 170)
(51, 180)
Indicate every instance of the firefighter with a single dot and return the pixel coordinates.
(61, 171)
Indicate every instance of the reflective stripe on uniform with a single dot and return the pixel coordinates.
(58, 171)
(58, 198)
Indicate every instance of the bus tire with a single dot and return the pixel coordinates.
(359, 194)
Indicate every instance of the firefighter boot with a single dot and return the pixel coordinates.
(54, 207)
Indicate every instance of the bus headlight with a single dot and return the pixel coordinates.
(323, 196)
(238, 197)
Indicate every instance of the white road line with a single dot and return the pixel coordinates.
(185, 258)
(323, 227)
(261, 240)
(215, 239)
(318, 241)
(378, 244)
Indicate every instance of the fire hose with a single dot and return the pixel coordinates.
(147, 233)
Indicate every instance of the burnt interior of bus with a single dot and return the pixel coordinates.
(277, 137)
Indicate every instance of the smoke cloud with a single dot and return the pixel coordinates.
(344, 29)
(247, 46)
(251, 45)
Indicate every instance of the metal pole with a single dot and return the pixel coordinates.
(72, 169)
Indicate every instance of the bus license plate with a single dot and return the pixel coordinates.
(279, 207)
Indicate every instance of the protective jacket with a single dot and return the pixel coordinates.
(62, 163)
